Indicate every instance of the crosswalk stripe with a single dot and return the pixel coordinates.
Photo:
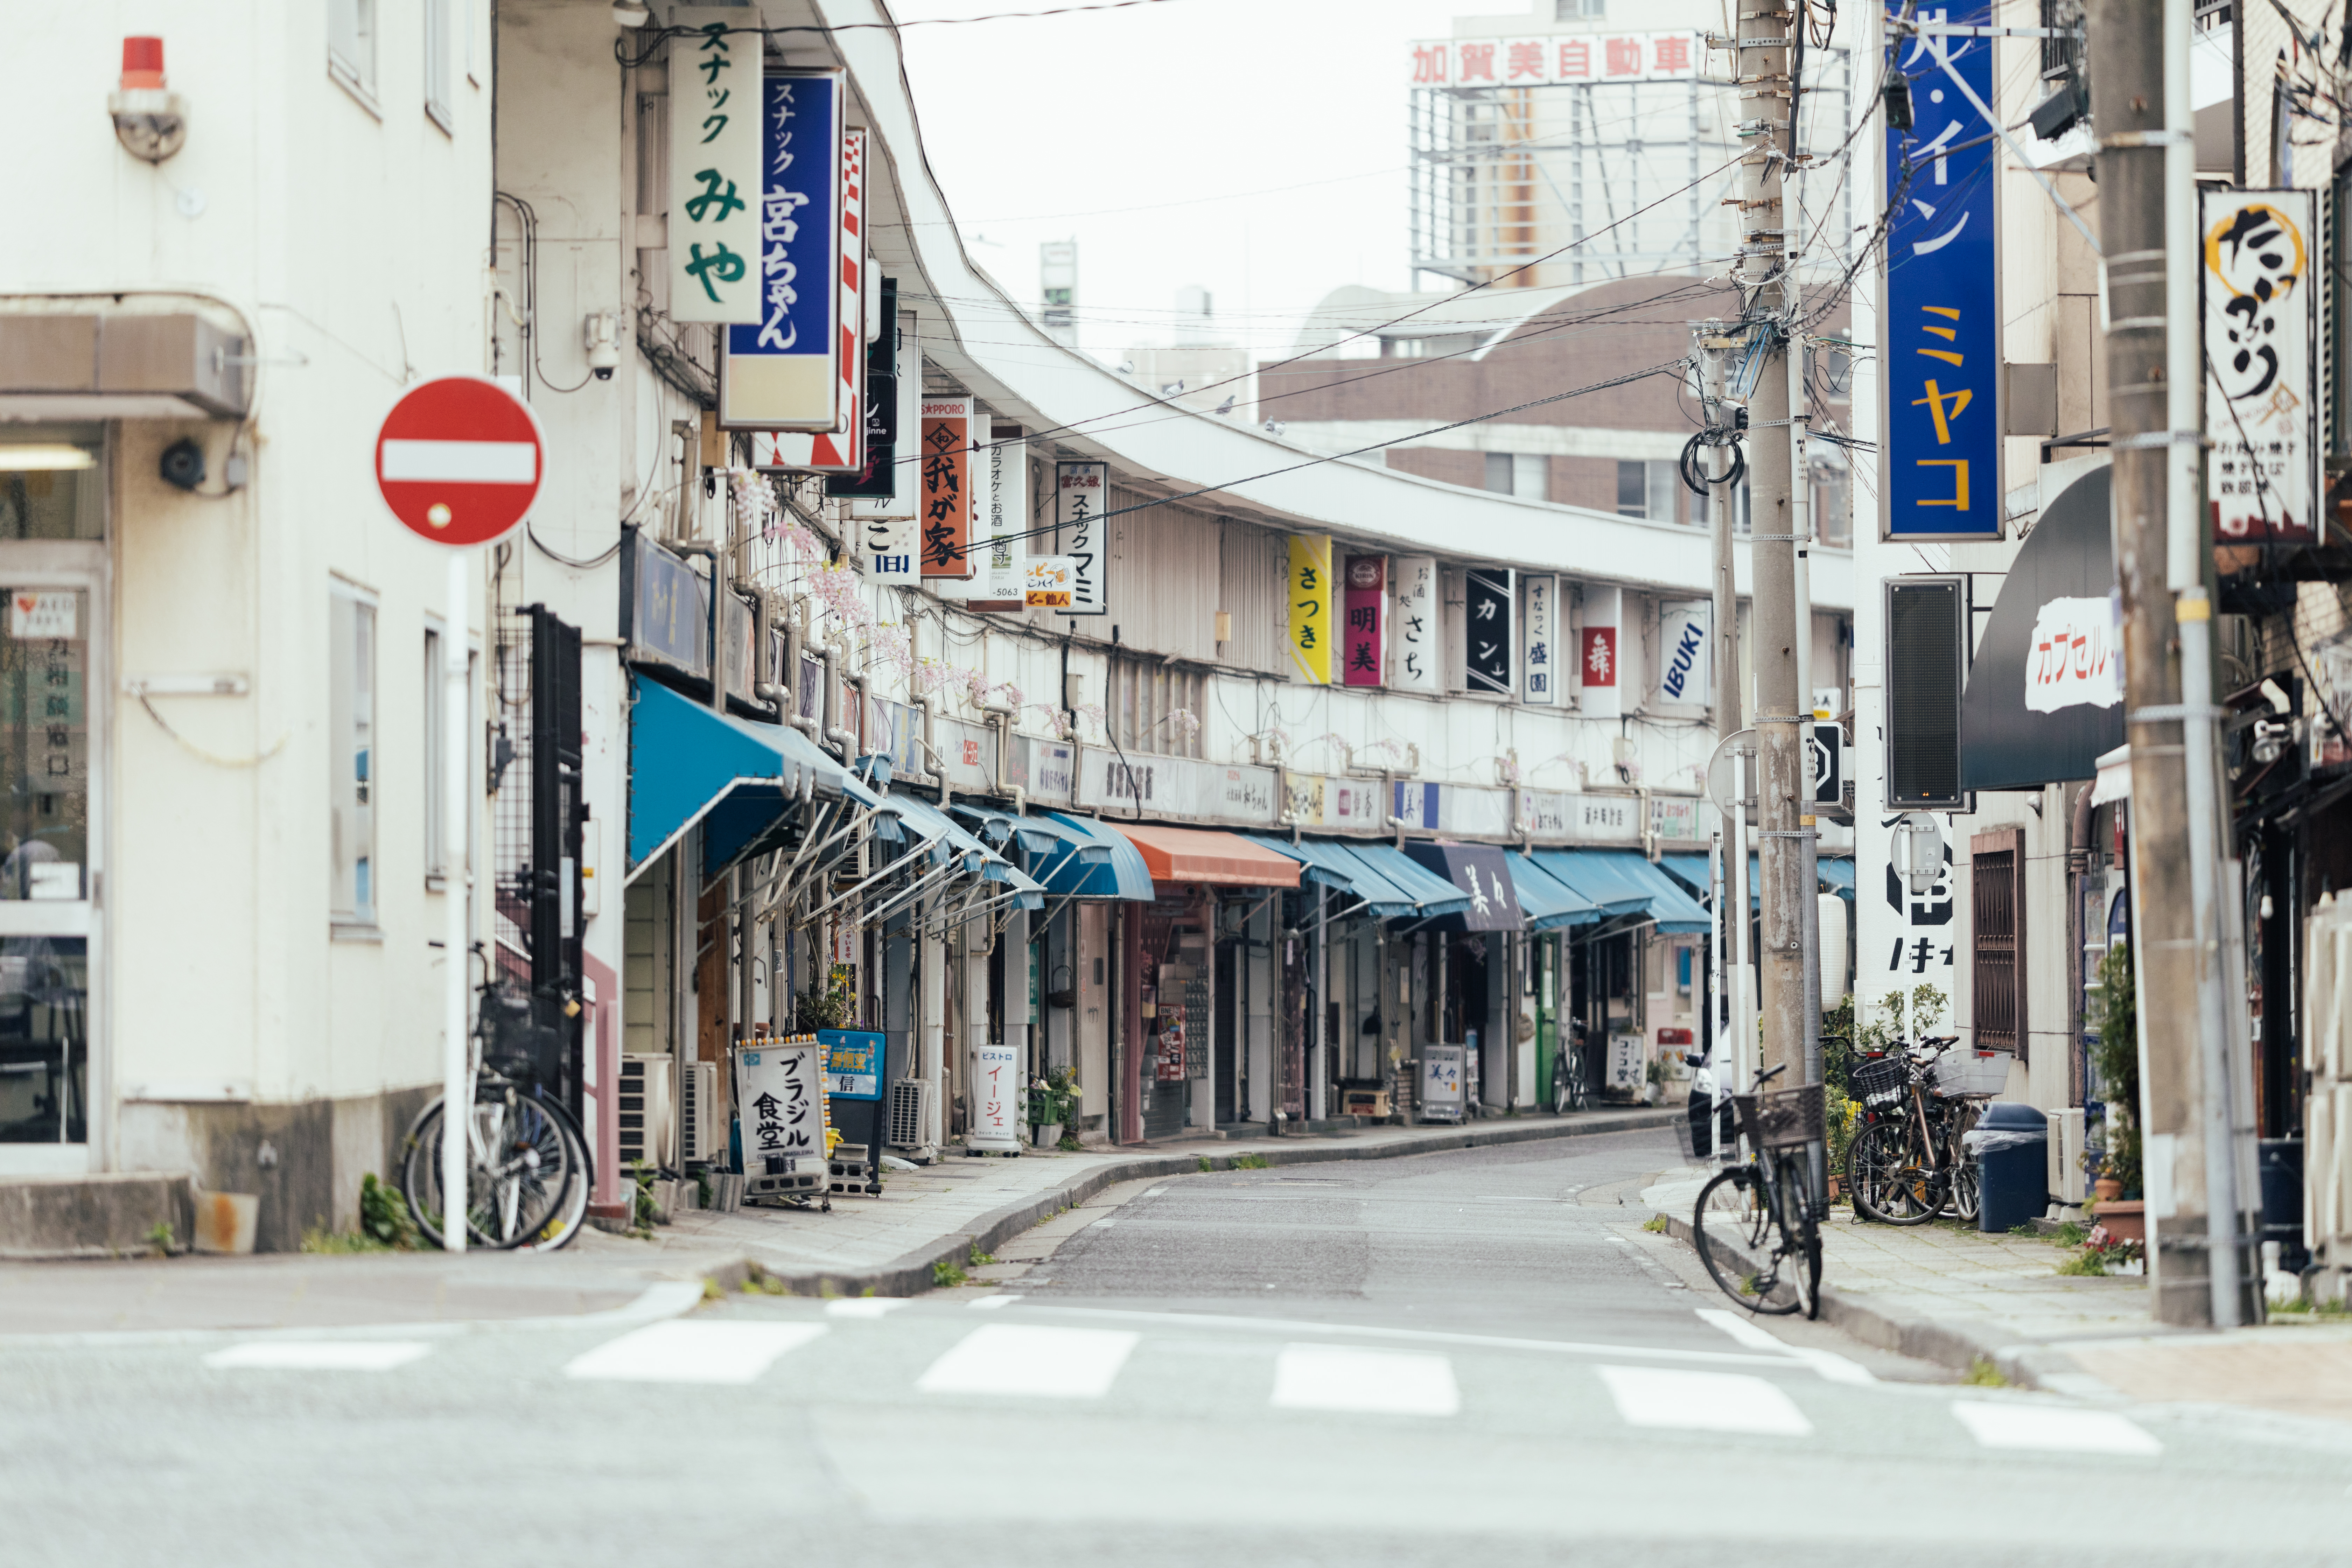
(1703, 1401)
(2054, 1429)
(864, 1307)
(1022, 1358)
(319, 1356)
(688, 1351)
(1346, 1377)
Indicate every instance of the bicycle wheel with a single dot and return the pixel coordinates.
(1801, 1236)
(1734, 1230)
(519, 1170)
(571, 1207)
(1892, 1182)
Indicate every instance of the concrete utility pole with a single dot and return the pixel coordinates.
(2148, 234)
(1732, 1054)
(1767, 261)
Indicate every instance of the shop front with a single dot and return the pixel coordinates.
(1476, 1004)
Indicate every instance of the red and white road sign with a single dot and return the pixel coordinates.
(459, 460)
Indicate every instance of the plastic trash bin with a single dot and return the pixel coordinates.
(2011, 1143)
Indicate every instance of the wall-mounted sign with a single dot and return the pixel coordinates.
(853, 1063)
(714, 167)
(1050, 584)
(1172, 787)
(751, 363)
(1535, 61)
(946, 501)
(1080, 492)
(1683, 657)
(889, 546)
(1540, 642)
(1363, 641)
(1413, 650)
(1487, 635)
(664, 608)
(1312, 616)
(794, 367)
(1940, 337)
(1599, 693)
(2262, 316)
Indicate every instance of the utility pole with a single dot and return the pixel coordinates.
(1768, 256)
(1730, 1054)
(2147, 224)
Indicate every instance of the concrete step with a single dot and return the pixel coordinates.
(105, 1216)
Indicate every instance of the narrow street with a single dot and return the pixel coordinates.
(1413, 1360)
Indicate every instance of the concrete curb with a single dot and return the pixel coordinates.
(1926, 1338)
(910, 1274)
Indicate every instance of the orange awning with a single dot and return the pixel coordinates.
(1195, 855)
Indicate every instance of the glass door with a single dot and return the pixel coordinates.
(48, 871)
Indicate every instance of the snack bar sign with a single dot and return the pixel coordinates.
(715, 147)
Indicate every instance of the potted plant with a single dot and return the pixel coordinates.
(1054, 1102)
(2115, 1056)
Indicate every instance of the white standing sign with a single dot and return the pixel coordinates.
(1414, 661)
(997, 1097)
(1539, 650)
(780, 1096)
(1081, 493)
(715, 139)
(2261, 255)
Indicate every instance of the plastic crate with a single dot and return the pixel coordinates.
(1782, 1118)
(1970, 1075)
(1882, 1083)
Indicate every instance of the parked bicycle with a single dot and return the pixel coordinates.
(527, 1171)
(1908, 1163)
(1754, 1223)
(1568, 1089)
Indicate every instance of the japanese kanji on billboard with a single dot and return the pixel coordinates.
(2260, 315)
(1080, 493)
(1363, 642)
(1540, 656)
(1598, 692)
(779, 1095)
(1537, 61)
(785, 371)
(1486, 637)
(1412, 644)
(1311, 614)
(714, 167)
(948, 502)
(1940, 334)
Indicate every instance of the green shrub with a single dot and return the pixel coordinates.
(384, 1217)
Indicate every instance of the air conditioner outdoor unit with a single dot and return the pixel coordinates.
(700, 1136)
(2065, 1167)
(910, 1112)
(648, 1112)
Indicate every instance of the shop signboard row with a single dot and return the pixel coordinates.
(1548, 60)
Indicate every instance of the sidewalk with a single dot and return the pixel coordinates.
(1958, 1298)
(884, 1246)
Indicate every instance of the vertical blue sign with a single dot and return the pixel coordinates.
(780, 372)
(1939, 336)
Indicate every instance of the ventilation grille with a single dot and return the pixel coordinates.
(910, 1103)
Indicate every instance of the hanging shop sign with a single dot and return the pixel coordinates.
(1487, 650)
(1050, 582)
(889, 545)
(1540, 649)
(1674, 818)
(1001, 581)
(1939, 274)
(853, 1060)
(1599, 690)
(839, 452)
(1080, 491)
(893, 463)
(949, 504)
(1311, 615)
(1542, 60)
(714, 167)
(664, 608)
(793, 368)
(1415, 663)
(2262, 318)
(779, 1095)
(877, 478)
(1364, 642)
(1682, 652)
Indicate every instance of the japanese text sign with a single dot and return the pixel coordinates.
(779, 1095)
(1080, 492)
(785, 370)
(853, 1058)
(2258, 251)
(1538, 61)
(1311, 614)
(999, 1098)
(1940, 349)
(1487, 651)
(2078, 656)
(1413, 639)
(1003, 570)
(945, 491)
(1363, 642)
(1598, 692)
(715, 166)
(889, 545)
(1539, 652)
(1048, 582)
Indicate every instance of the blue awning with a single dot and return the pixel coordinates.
(1835, 873)
(1121, 873)
(739, 778)
(1431, 893)
(1549, 902)
(1038, 836)
(1623, 882)
(1330, 863)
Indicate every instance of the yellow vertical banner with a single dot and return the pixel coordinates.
(1312, 615)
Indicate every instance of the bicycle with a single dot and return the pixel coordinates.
(1909, 1165)
(1766, 1204)
(528, 1174)
(1568, 1089)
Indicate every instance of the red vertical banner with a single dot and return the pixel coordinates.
(1363, 640)
(945, 496)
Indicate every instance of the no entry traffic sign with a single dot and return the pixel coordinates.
(459, 460)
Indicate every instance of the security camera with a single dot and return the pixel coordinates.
(182, 465)
(601, 334)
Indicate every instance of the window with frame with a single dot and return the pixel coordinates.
(351, 760)
(1997, 938)
(1156, 707)
(437, 64)
(351, 45)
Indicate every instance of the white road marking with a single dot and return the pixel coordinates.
(2054, 1429)
(1041, 1362)
(1154, 1192)
(1196, 1320)
(1833, 1367)
(1348, 1377)
(693, 1352)
(319, 1356)
(1703, 1401)
(864, 1307)
(991, 1303)
(1740, 1328)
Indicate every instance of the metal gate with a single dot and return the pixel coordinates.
(538, 814)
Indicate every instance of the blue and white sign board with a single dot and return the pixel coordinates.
(780, 1097)
(1441, 1083)
(783, 371)
(853, 1063)
(1939, 332)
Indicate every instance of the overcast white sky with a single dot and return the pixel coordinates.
(1254, 147)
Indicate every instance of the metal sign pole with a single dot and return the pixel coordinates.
(457, 1055)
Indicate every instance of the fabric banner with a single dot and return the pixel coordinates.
(1311, 616)
(1414, 662)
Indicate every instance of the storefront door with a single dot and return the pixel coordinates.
(51, 697)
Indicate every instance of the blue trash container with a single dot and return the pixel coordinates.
(2012, 1149)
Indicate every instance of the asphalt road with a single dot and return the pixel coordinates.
(1472, 1356)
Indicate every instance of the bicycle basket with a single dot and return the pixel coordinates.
(514, 1044)
(1782, 1118)
(1881, 1083)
